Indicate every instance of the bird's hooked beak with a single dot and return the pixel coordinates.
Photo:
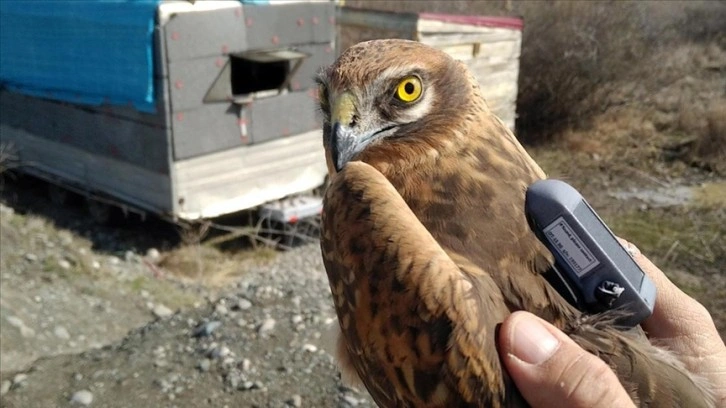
(350, 132)
(344, 144)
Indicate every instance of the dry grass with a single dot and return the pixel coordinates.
(711, 147)
(211, 267)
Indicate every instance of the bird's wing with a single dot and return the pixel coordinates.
(419, 325)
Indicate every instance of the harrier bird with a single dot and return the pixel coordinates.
(426, 245)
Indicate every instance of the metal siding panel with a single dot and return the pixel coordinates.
(94, 131)
(145, 189)
(281, 116)
(321, 55)
(266, 121)
(278, 25)
(205, 34)
(207, 129)
(301, 113)
(189, 81)
(322, 17)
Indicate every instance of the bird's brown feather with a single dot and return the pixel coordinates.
(398, 292)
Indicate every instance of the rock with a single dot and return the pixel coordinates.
(162, 311)
(220, 352)
(235, 379)
(96, 265)
(266, 327)
(9, 211)
(61, 332)
(297, 319)
(246, 385)
(221, 309)
(310, 348)
(153, 255)
(206, 329)
(295, 401)
(26, 331)
(129, 256)
(82, 397)
(204, 365)
(351, 401)
(31, 257)
(244, 304)
(64, 264)
(246, 365)
(19, 379)
(15, 321)
(5, 387)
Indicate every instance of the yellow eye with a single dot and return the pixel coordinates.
(409, 89)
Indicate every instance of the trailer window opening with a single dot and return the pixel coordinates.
(252, 76)
(256, 71)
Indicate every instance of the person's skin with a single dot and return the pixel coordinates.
(550, 370)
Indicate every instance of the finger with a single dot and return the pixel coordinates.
(550, 370)
(675, 313)
(683, 325)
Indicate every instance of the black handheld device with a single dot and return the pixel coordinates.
(592, 270)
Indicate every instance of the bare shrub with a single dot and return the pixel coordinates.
(711, 146)
(572, 52)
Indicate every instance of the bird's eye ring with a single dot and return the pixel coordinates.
(409, 89)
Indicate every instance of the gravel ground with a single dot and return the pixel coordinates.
(86, 327)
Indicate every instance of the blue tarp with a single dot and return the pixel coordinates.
(82, 51)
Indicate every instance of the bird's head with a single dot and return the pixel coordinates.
(392, 100)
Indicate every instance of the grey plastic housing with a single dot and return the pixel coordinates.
(587, 253)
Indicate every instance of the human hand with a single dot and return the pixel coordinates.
(684, 326)
(551, 370)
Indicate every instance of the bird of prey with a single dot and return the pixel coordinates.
(426, 245)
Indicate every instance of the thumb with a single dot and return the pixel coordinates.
(551, 370)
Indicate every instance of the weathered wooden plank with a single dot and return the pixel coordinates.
(248, 176)
(481, 67)
(438, 26)
(462, 52)
(382, 20)
(436, 39)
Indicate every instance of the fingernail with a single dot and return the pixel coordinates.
(632, 250)
(532, 342)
